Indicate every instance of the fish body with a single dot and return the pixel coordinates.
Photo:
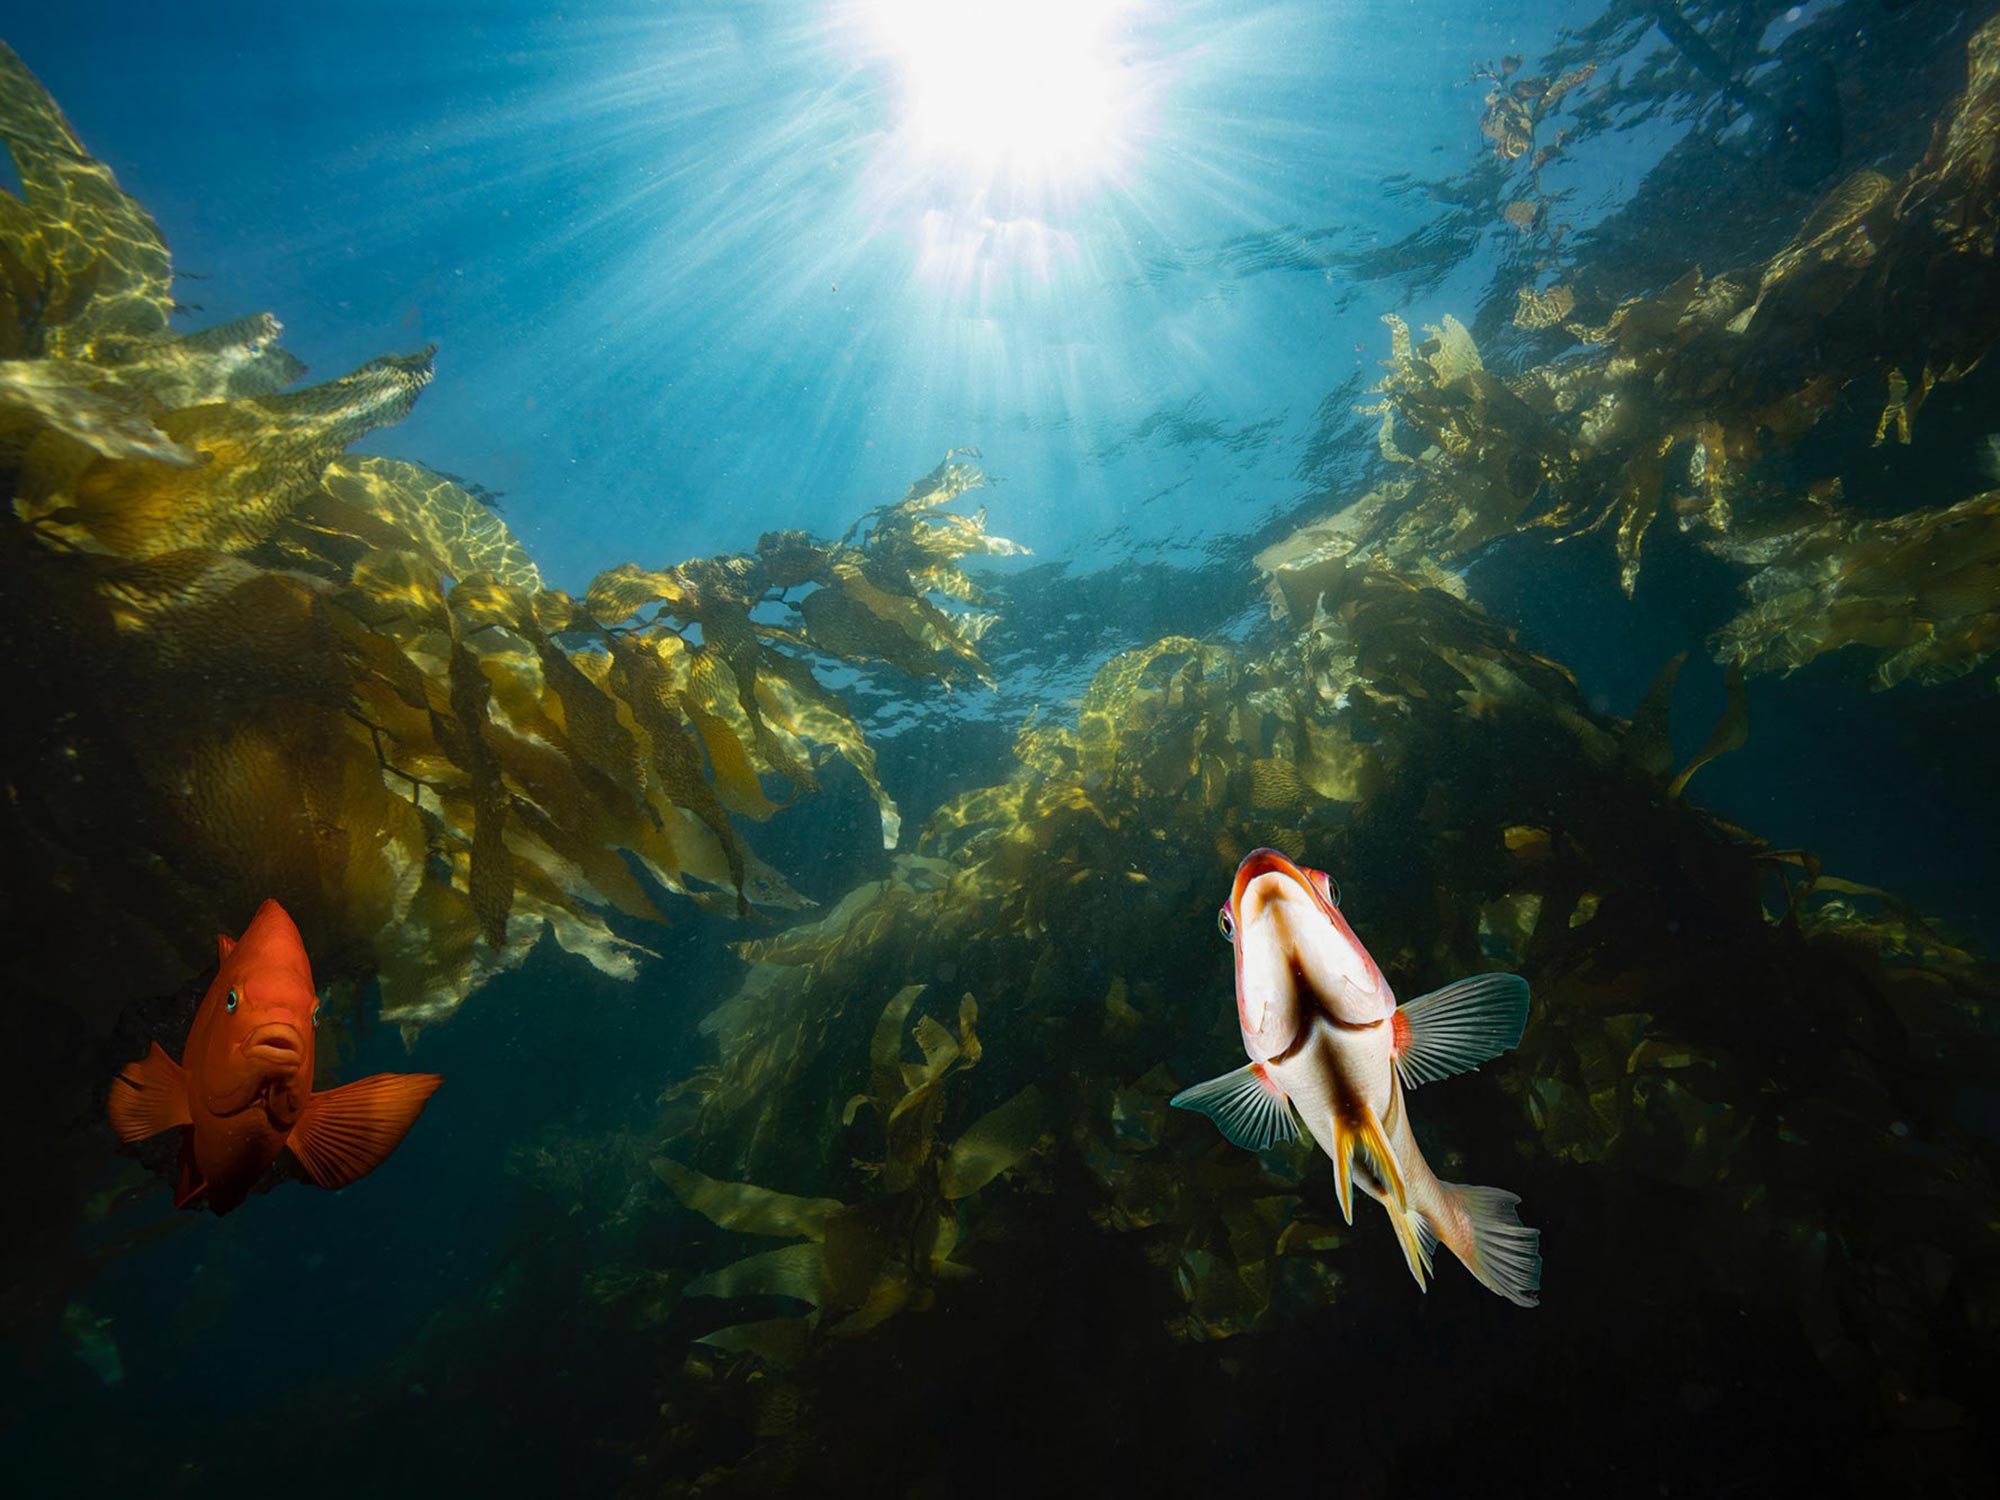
(242, 1092)
(1332, 1051)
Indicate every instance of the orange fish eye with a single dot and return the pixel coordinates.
(316, 1006)
(1226, 923)
(233, 1000)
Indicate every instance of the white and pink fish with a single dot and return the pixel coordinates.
(1332, 1052)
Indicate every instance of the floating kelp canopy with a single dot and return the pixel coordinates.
(250, 665)
(1693, 402)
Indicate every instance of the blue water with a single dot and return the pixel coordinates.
(624, 227)
(691, 281)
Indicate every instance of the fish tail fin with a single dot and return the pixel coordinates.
(148, 1096)
(1357, 1131)
(1413, 1233)
(1484, 1230)
(348, 1132)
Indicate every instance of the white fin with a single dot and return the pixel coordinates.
(1506, 1254)
(1246, 1106)
(1455, 1029)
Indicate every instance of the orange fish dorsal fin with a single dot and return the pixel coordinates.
(224, 946)
(148, 1096)
(348, 1132)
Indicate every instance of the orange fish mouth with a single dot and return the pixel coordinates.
(277, 1045)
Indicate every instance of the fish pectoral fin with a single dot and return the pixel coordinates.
(148, 1096)
(1357, 1131)
(1455, 1029)
(348, 1132)
(1247, 1106)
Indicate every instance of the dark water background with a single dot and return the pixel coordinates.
(425, 1328)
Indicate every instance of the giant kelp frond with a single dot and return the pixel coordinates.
(1685, 401)
(341, 681)
(1921, 591)
(83, 269)
(859, 1264)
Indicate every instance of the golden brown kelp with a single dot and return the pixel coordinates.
(341, 681)
(1517, 104)
(858, 1265)
(241, 663)
(1730, 1049)
(1921, 591)
(1678, 398)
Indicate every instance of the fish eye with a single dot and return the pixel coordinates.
(1324, 884)
(234, 999)
(316, 1009)
(1226, 924)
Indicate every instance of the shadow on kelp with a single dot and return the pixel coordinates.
(241, 665)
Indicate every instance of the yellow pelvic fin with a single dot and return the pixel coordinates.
(1343, 1165)
(1355, 1128)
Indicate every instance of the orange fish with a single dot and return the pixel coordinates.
(1331, 1050)
(242, 1091)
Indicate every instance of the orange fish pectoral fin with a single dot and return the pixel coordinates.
(348, 1132)
(148, 1096)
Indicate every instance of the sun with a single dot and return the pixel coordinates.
(1029, 90)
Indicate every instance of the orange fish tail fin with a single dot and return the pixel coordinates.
(148, 1096)
(1485, 1232)
(348, 1132)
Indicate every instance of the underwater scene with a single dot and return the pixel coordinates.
(1000, 747)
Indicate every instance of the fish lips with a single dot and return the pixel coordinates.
(1265, 862)
(277, 1046)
